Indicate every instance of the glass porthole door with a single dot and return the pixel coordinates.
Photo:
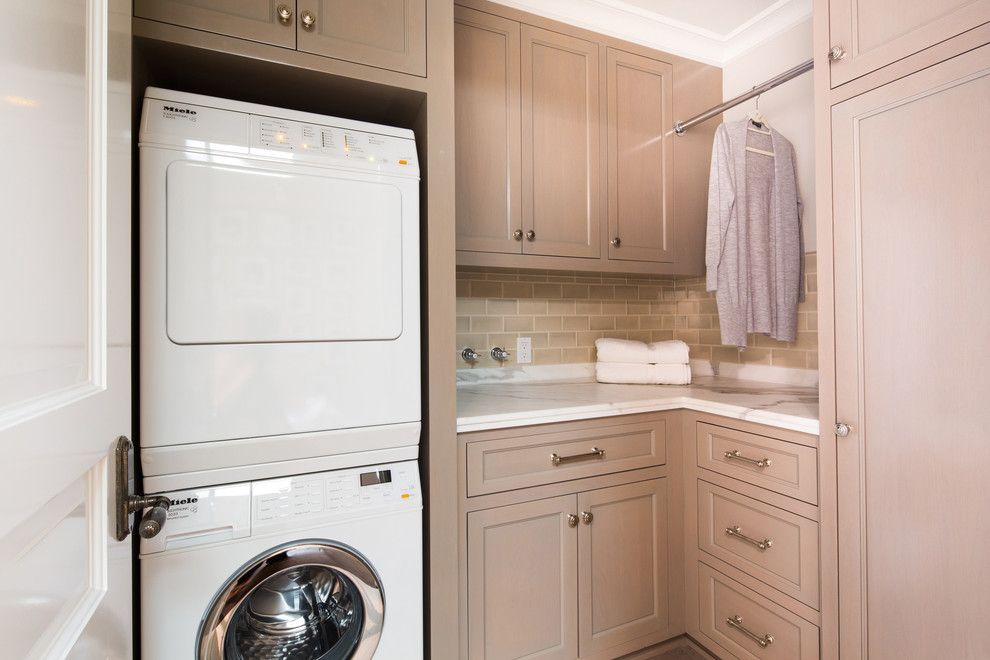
(310, 600)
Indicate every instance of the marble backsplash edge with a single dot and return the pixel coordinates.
(585, 371)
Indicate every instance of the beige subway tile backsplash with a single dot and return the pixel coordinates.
(565, 312)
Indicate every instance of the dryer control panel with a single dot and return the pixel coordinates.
(222, 513)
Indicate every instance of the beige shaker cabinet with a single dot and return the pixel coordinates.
(578, 575)
(561, 143)
(522, 571)
(266, 21)
(866, 35)
(911, 459)
(388, 34)
(622, 567)
(487, 132)
(640, 157)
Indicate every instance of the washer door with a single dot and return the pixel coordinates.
(308, 600)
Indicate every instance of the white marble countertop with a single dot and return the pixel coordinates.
(486, 406)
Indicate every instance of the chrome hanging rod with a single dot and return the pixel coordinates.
(682, 126)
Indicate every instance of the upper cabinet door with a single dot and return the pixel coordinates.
(522, 568)
(622, 572)
(875, 33)
(561, 137)
(268, 21)
(912, 470)
(640, 159)
(486, 88)
(389, 34)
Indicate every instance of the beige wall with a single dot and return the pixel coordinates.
(564, 312)
(789, 108)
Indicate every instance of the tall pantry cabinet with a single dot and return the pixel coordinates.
(904, 262)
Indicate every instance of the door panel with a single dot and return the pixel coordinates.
(622, 583)
(522, 568)
(561, 169)
(389, 34)
(911, 245)
(875, 33)
(486, 88)
(640, 159)
(257, 20)
(65, 351)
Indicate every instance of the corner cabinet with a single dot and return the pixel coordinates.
(565, 150)
(387, 34)
(866, 35)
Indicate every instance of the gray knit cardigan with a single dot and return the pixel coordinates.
(730, 259)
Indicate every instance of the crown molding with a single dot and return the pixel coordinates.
(622, 20)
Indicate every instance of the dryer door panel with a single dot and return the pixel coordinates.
(256, 255)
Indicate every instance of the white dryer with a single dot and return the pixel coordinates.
(279, 284)
(322, 566)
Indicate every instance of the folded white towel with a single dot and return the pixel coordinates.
(636, 352)
(643, 374)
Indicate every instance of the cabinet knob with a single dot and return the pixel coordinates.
(587, 517)
(572, 520)
(836, 53)
(531, 235)
(842, 430)
(517, 234)
(308, 20)
(616, 242)
(284, 14)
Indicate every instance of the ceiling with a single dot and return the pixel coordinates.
(717, 16)
(713, 31)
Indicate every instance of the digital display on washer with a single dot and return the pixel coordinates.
(375, 478)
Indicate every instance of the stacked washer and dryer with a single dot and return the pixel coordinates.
(279, 383)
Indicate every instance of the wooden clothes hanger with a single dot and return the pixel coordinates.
(757, 122)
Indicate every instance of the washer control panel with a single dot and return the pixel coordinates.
(343, 492)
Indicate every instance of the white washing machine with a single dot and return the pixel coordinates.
(321, 566)
(279, 310)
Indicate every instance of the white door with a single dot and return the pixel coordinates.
(65, 341)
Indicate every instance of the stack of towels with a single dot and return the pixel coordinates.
(659, 363)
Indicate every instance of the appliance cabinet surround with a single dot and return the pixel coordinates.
(565, 149)
(387, 34)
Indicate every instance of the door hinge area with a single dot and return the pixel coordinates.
(126, 503)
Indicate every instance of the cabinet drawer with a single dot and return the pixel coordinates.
(783, 467)
(722, 600)
(775, 546)
(523, 461)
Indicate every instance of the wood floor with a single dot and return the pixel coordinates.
(683, 653)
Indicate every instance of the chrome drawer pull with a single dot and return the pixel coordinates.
(760, 463)
(556, 459)
(737, 623)
(736, 531)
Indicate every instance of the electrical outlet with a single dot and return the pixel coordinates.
(524, 350)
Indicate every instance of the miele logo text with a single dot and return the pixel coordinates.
(188, 500)
(181, 111)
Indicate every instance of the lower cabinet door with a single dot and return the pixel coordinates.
(622, 574)
(522, 581)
